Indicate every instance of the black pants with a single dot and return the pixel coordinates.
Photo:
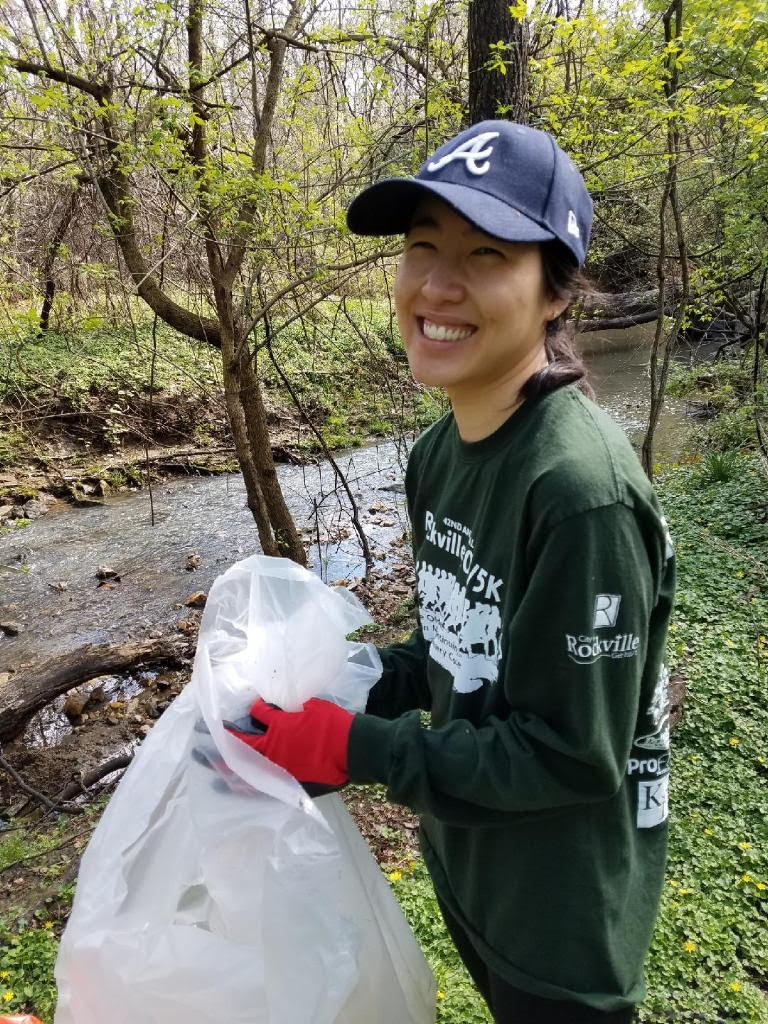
(509, 1005)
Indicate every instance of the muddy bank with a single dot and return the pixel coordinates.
(81, 456)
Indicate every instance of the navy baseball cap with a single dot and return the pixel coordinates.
(509, 180)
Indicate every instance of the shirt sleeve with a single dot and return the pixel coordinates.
(575, 652)
(403, 684)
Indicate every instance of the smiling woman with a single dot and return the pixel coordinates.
(545, 578)
(473, 313)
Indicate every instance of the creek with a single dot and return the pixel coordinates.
(48, 581)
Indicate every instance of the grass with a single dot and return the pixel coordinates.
(34, 860)
(710, 951)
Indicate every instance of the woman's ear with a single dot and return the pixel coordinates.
(556, 307)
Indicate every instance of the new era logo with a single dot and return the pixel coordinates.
(573, 225)
(471, 152)
(606, 610)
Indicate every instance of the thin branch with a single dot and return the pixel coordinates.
(307, 278)
(51, 849)
(326, 450)
(40, 798)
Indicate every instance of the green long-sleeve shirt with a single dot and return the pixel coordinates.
(545, 581)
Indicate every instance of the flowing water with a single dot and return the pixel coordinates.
(48, 581)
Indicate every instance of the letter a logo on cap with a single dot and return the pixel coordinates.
(470, 152)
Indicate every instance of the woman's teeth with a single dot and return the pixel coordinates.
(438, 332)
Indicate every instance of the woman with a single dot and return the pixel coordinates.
(545, 582)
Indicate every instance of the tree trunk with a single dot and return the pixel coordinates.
(231, 373)
(54, 246)
(658, 377)
(603, 311)
(491, 93)
(34, 687)
(286, 535)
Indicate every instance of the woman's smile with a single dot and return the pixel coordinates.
(437, 330)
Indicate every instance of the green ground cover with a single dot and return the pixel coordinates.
(343, 361)
(727, 392)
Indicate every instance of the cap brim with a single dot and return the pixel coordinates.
(387, 208)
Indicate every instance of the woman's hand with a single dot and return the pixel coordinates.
(311, 744)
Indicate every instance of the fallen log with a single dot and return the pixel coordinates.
(90, 778)
(604, 311)
(25, 692)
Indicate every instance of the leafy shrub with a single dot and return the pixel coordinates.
(726, 387)
(719, 467)
(731, 430)
(13, 443)
(27, 958)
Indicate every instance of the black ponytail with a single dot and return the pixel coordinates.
(563, 280)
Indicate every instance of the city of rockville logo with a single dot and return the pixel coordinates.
(586, 649)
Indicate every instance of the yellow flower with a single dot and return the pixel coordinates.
(746, 878)
(708, 832)
(760, 885)
(689, 947)
(744, 846)
(4, 975)
(735, 986)
(734, 741)
(48, 925)
(8, 996)
(440, 994)
(685, 892)
(395, 876)
(411, 865)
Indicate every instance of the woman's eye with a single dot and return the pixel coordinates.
(420, 244)
(486, 250)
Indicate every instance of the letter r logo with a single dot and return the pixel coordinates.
(606, 610)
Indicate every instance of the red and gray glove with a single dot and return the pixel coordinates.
(311, 744)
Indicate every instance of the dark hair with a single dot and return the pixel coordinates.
(563, 280)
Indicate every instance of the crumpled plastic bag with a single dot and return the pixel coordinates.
(214, 888)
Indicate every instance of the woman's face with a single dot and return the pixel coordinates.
(471, 309)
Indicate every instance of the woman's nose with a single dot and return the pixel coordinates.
(443, 283)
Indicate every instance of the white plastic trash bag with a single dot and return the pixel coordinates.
(214, 890)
